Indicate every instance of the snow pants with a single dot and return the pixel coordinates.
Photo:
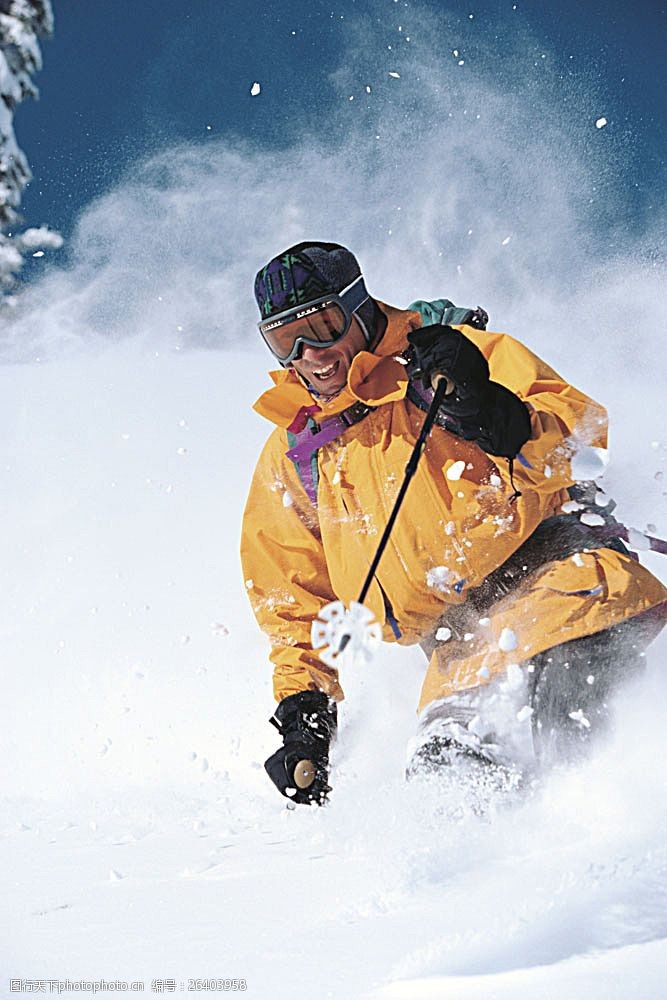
(548, 703)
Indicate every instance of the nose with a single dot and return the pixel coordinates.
(310, 353)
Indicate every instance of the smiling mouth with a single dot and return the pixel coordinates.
(326, 373)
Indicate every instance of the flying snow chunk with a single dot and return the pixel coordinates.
(443, 634)
(601, 122)
(592, 520)
(38, 253)
(440, 577)
(456, 470)
(506, 241)
(508, 640)
(524, 713)
(579, 717)
(394, 75)
(255, 89)
(287, 499)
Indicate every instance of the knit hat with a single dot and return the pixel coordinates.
(306, 272)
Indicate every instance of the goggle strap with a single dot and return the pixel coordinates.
(355, 294)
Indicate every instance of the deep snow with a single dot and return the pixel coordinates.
(140, 837)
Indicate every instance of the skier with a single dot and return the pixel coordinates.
(511, 575)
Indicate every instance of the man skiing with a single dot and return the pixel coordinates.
(511, 576)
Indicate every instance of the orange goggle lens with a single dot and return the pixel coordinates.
(324, 324)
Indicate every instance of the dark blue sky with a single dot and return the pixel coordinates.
(123, 78)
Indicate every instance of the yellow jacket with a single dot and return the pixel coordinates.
(451, 531)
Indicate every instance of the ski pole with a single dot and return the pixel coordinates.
(442, 386)
(305, 771)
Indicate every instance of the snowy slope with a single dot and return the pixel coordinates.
(139, 836)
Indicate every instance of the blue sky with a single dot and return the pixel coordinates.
(124, 78)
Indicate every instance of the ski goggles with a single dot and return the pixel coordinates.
(318, 323)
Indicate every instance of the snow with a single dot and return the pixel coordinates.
(601, 122)
(455, 471)
(255, 89)
(578, 716)
(443, 634)
(591, 519)
(564, 891)
(441, 578)
(507, 640)
(40, 237)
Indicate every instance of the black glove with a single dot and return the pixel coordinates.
(477, 409)
(478, 318)
(307, 722)
(442, 350)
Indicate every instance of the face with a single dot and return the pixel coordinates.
(326, 367)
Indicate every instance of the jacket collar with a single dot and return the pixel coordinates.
(375, 377)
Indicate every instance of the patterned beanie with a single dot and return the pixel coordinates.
(305, 272)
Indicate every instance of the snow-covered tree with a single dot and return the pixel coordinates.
(22, 23)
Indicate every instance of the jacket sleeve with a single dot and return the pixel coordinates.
(285, 571)
(563, 419)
